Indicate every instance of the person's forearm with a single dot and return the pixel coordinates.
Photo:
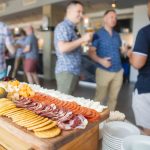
(129, 54)
(136, 60)
(11, 49)
(65, 47)
(95, 58)
(26, 49)
(18, 46)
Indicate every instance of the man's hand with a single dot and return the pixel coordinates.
(124, 49)
(87, 37)
(106, 62)
(129, 53)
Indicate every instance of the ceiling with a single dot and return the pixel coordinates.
(90, 6)
(94, 3)
(4, 1)
(98, 5)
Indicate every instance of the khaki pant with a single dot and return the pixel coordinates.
(66, 82)
(108, 84)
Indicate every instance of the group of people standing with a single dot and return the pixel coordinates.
(25, 49)
(104, 48)
(106, 52)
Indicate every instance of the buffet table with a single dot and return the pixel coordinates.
(14, 137)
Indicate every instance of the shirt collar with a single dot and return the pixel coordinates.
(107, 31)
(70, 23)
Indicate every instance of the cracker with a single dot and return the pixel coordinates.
(49, 126)
(40, 125)
(32, 124)
(30, 121)
(48, 133)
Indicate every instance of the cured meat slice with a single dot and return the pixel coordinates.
(39, 106)
(24, 101)
(80, 124)
(64, 126)
(67, 117)
(77, 122)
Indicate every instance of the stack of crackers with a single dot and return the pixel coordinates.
(41, 126)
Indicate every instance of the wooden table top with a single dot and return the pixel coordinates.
(53, 143)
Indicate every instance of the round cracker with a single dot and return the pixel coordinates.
(12, 111)
(3, 100)
(23, 117)
(15, 114)
(49, 126)
(20, 119)
(2, 110)
(6, 105)
(40, 125)
(29, 125)
(27, 122)
(53, 132)
(21, 112)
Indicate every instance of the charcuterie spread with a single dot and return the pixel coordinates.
(46, 112)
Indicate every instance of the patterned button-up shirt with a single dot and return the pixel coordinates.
(70, 61)
(108, 46)
(5, 38)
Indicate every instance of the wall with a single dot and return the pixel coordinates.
(140, 19)
(14, 6)
(96, 18)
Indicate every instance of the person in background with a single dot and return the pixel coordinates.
(140, 59)
(68, 48)
(109, 72)
(6, 39)
(19, 52)
(30, 53)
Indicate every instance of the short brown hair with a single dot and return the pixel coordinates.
(74, 2)
(22, 32)
(108, 11)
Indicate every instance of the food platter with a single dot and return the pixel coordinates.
(65, 120)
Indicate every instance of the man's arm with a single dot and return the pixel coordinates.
(26, 49)
(65, 47)
(138, 56)
(11, 48)
(69, 46)
(106, 62)
(137, 60)
(9, 41)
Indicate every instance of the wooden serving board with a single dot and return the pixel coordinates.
(14, 137)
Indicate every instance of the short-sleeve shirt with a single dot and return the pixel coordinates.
(33, 52)
(108, 46)
(142, 47)
(69, 61)
(19, 52)
(5, 39)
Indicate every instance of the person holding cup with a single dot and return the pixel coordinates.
(68, 44)
(109, 72)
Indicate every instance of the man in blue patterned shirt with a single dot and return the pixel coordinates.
(109, 71)
(67, 44)
(5, 40)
